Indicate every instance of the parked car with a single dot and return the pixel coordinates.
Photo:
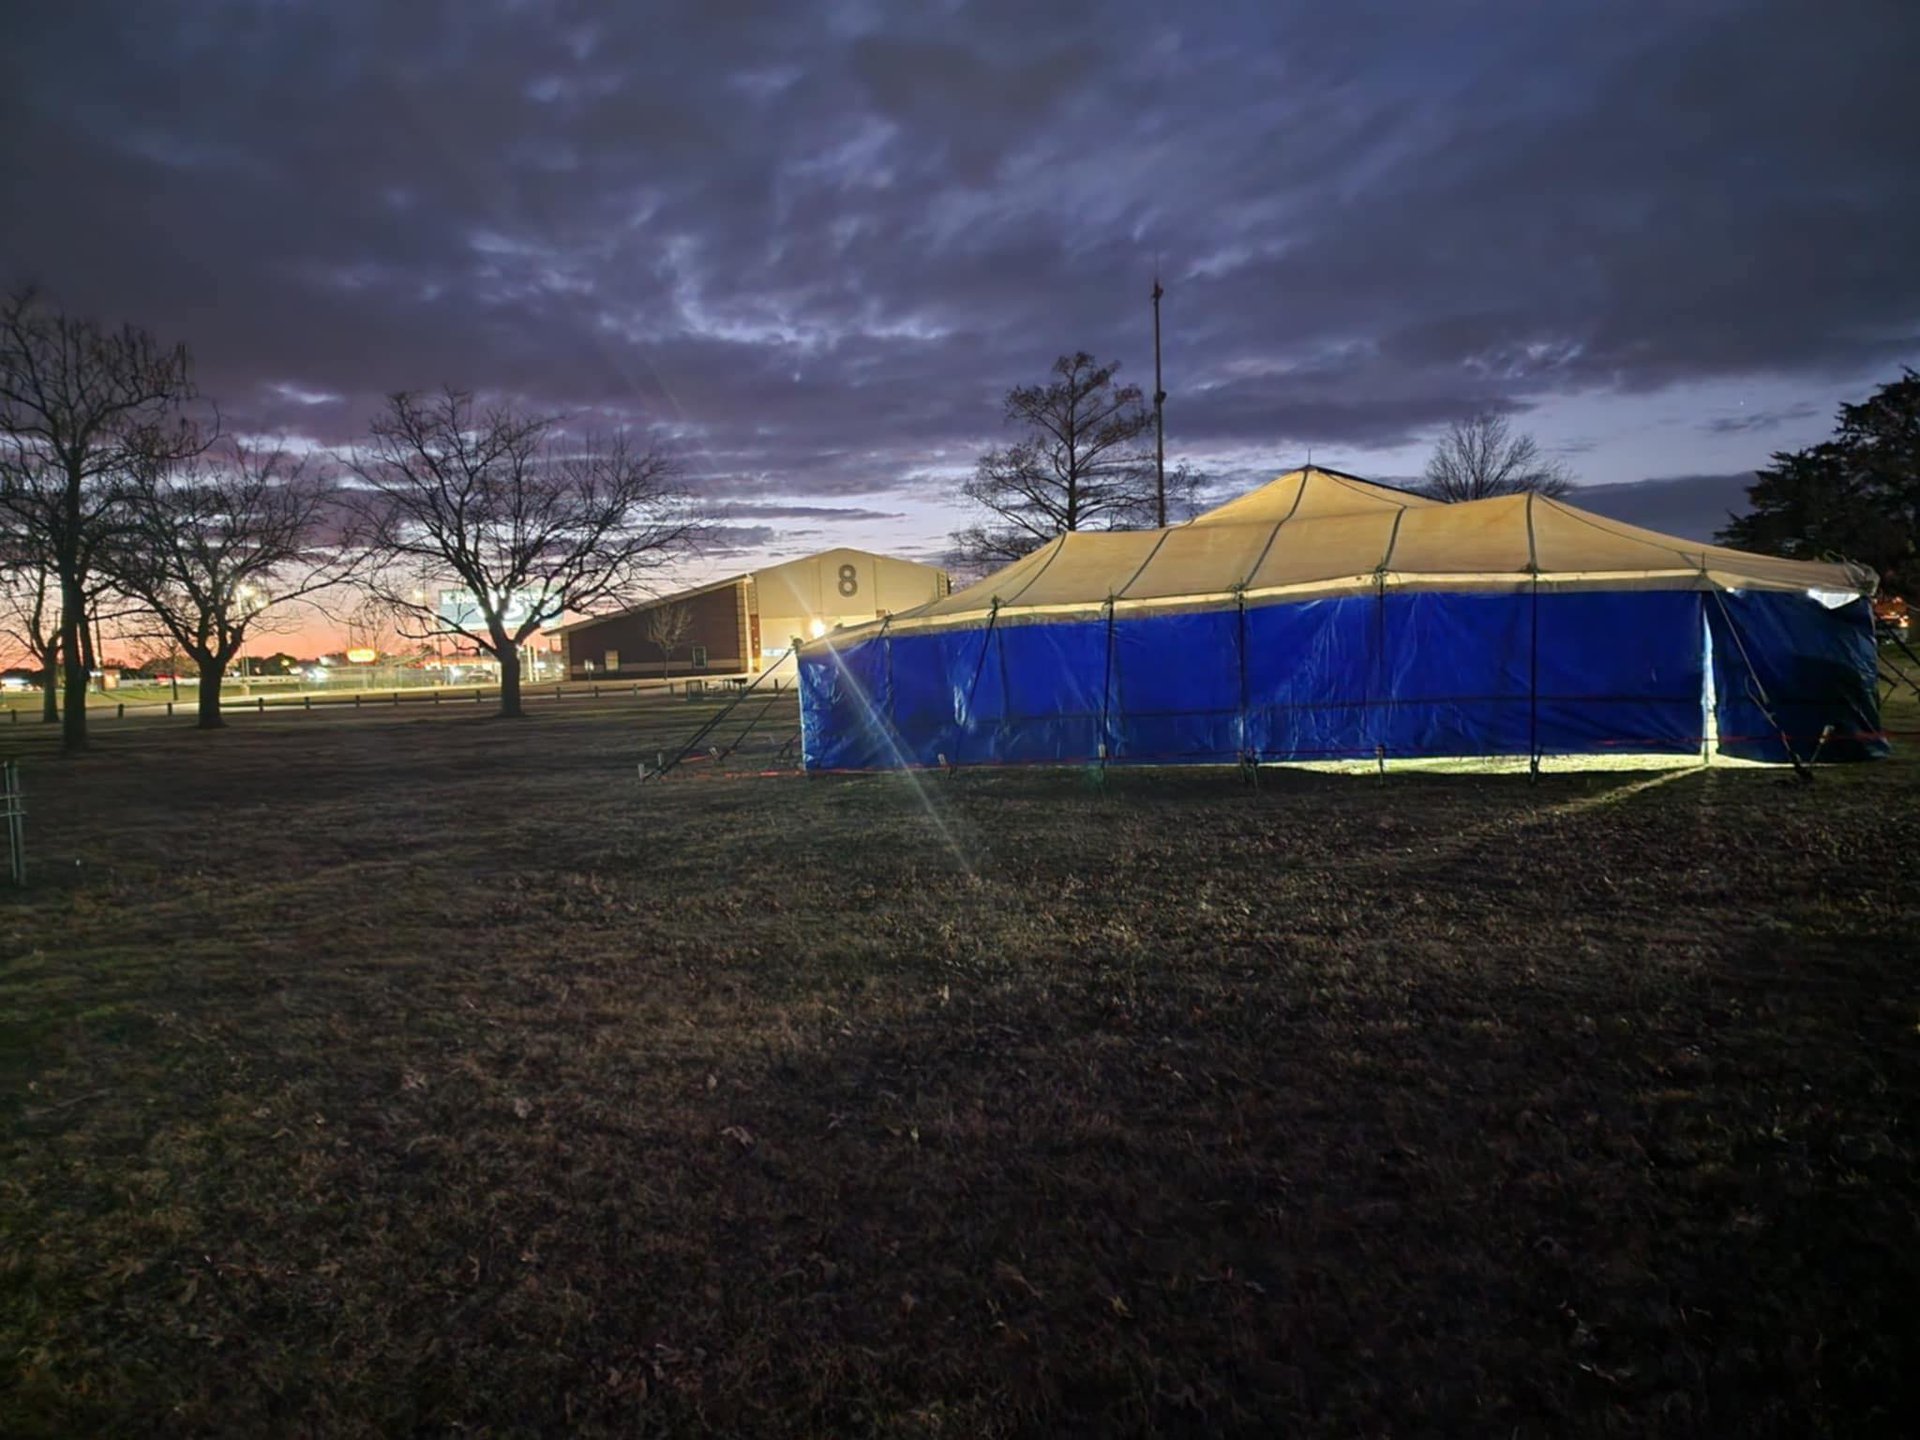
(1890, 613)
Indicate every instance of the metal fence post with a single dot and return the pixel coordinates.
(16, 811)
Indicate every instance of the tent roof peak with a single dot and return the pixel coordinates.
(1312, 492)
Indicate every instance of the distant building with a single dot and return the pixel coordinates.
(747, 623)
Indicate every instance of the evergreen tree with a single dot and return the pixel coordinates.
(1856, 495)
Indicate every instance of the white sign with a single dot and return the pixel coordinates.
(458, 607)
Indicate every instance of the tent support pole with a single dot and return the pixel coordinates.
(1106, 699)
(1380, 657)
(1906, 650)
(1758, 694)
(886, 652)
(1533, 686)
(1249, 763)
(986, 641)
(993, 617)
(1533, 648)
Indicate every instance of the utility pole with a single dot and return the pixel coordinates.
(1159, 416)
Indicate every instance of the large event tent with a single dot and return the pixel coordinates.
(1321, 618)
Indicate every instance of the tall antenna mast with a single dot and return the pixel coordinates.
(1159, 415)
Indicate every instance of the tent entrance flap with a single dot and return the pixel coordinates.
(1788, 669)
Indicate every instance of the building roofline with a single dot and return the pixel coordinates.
(651, 604)
(732, 580)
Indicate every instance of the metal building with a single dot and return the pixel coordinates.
(746, 623)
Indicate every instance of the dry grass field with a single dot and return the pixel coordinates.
(380, 1075)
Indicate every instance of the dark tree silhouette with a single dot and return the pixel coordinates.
(81, 408)
(668, 627)
(211, 546)
(1481, 457)
(529, 520)
(30, 616)
(1856, 496)
(1083, 463)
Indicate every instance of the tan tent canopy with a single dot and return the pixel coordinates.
(1321, 619)
(1315, 532)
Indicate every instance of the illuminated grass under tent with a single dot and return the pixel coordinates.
(1321, 619)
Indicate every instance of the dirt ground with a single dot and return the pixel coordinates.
(435, 1074)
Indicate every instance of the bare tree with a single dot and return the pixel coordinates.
(80, 407)
(370, 626)
(1482, 457)
(1083, 464)
(1186, 487)
(668, 627)
(30, 617)
(531, 521)
(215, 549)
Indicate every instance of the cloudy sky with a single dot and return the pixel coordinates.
(813, 243)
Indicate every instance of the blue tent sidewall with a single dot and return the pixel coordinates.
(1786, 665)
(1400, 674)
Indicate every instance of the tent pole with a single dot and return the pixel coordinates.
(1106, 698)
(886, 652)
(1159, 416)
(1533, 685)
(1758, 693)
(993, 617)
(1249, 766)
(1374, 705)
(1533, 648)
(986, 640)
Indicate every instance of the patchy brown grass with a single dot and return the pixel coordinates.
(434, 1075)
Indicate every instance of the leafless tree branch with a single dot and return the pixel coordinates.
(216, 547)
(1082, 465)
(1481, 457)
(528, 520)
(81, 409)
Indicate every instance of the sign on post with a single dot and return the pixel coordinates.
(460, 608)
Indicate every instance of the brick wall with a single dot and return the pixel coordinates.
(717, 618)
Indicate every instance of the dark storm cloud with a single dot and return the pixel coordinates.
(813, 245)
(1692, 506)
(845, 514)
(1760, 419)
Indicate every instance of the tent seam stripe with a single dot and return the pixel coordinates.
(1058, 545)
(1143, 564)
(1393, 539)
(1267, 549)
